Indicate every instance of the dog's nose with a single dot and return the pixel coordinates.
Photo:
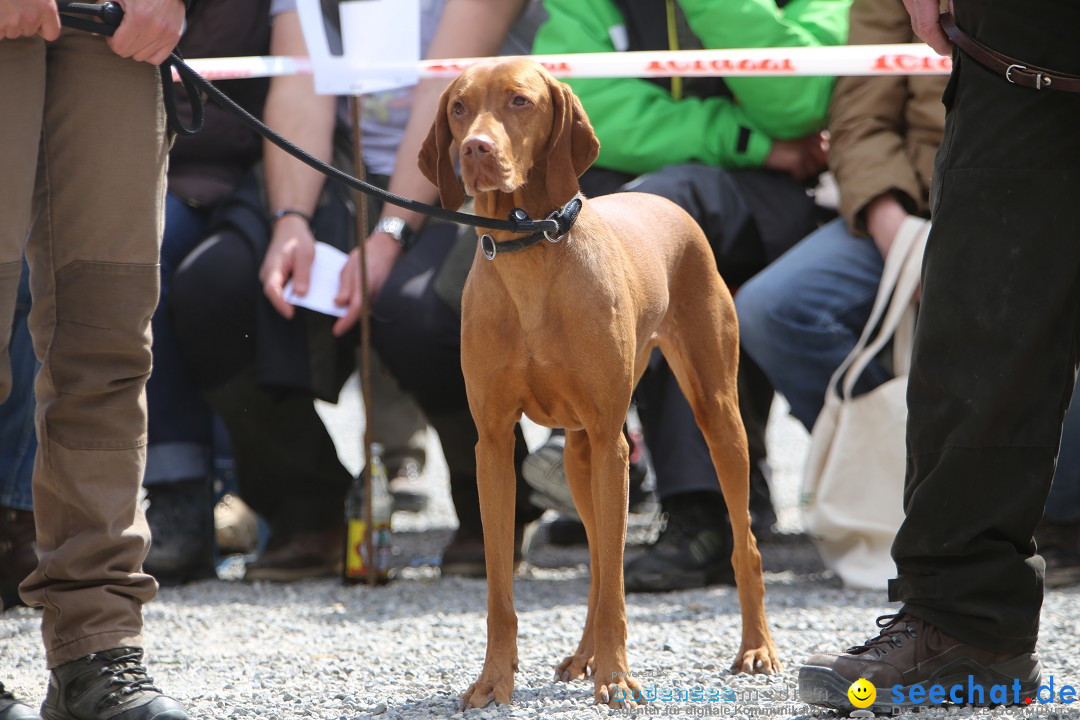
(477, 146)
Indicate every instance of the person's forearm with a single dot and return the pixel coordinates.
(298, 114)
(467, 28)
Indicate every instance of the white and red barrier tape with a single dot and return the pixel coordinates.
(904, 59)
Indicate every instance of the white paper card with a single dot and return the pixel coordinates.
(381, 42)
(324, 284)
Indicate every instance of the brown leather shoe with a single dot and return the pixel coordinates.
(299, 556)
(18, 557)
(909, 653)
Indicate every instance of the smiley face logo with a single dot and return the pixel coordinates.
(862, 693)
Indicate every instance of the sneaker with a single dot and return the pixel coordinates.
(545, 473)
(909, 653)
(18, 557)
(1059, 544)
(300, 556)
(180, 515)
(464, 556)
(692, 551)
(108, 685)
(12, 709)
(236, 526)
(567, 532)
(407, 489)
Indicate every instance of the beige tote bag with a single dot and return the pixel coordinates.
(852, 492)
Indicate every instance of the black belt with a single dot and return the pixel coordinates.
(1015, 71)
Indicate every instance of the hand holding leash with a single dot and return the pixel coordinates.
(26, 18)
(74, 14)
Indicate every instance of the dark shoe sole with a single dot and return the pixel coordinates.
(824, 687)
(179, 576)
(277, 574)
(410, 502)
(669, 581)
(1062, 576)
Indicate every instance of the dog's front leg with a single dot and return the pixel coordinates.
(577, 459)
(613, 682)
(496, 482)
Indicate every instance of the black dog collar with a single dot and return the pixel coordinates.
(564, 217)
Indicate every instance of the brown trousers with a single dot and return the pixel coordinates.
(83, 148)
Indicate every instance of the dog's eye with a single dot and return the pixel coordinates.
(458, 108)
(520, 101)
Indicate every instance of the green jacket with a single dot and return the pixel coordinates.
(643, 128)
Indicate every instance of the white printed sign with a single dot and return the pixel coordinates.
(380, 40)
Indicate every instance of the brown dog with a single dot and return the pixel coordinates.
(562, 332)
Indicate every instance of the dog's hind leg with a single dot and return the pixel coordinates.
(576, 458)
(700, 343)
(496, 484)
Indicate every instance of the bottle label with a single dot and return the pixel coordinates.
(355, 566)
(356, 555)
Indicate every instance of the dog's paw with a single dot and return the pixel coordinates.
(575, 667)
(762, 660)
(624, 692)
(495, 684)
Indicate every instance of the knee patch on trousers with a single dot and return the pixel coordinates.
(99, 357)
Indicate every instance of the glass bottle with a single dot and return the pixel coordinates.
(356, 542)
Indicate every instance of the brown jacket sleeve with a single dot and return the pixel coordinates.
(884, 129)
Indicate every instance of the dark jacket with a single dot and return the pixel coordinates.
(205, 167)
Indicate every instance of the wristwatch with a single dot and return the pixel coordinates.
(396, 228)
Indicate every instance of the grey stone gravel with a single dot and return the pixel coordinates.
(318, 649)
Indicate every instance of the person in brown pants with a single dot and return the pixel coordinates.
(83, 181)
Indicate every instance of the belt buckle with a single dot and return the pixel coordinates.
(1041, 80)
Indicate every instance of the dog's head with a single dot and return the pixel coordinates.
(508, 117)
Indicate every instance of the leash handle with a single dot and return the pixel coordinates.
(110, 14)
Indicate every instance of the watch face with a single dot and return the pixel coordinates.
(392, 226)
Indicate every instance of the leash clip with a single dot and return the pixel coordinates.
(554, 216)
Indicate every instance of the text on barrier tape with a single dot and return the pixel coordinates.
(900, 59)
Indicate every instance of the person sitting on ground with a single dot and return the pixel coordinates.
(258, 359)
(737, 154)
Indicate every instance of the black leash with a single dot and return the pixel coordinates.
(74, 14)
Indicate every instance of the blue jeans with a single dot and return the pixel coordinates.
(17, 440)
(801, 316)
(180, 423)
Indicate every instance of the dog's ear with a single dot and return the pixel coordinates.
(572, 146)
(435, 161)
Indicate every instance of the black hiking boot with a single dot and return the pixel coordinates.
(108, 685)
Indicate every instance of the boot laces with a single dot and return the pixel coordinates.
(894, 628)
(126, 677)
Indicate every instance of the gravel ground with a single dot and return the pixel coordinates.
(322, 650)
